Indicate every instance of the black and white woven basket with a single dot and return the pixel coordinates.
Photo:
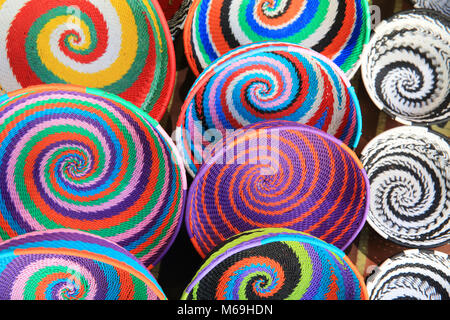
(409, 172)
(406, 65)
(412, 275)
(442, 6)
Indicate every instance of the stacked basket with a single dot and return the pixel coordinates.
(267, 132)
(93, 189)
(406, 71)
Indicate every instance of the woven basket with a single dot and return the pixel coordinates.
(409, 172)
(276, 264)
(175, 12)
(84, 159)
(122, 47)
(278, 174)
(412, 275)
(442, 6)
(406, 64)
(262, 81)
(72, 265)
(336, 28)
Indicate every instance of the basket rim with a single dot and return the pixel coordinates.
(171, 62)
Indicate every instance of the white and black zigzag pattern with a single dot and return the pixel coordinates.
(406, 64)
(176, 23)
(409, 173)
(442, 6)
(412, 275)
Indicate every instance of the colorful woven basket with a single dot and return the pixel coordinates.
(336, 28)
(122, 47)
(412, 275)
(276, 264)
(175, 12)
(442, 6)
(67, 264)
(261, 81)
(79, 158)
(409, 172)
(406, 64)
(278, 174)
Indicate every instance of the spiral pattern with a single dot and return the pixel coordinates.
(79, 158)
(412, 275)
(409, 172)
(442, 6)
(67, 264)
(122, 47)
(336, 28)
(406, 64)
(276, 264)
(278, 174)
(262, 81)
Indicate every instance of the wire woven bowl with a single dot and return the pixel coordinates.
(263, 81)
(120, 47)
(175, 13)
(278, 174)
(68, 264)
(412, 275)
(442, 6)
(276, 264)
(406, 64)
(409, 172)
(79, 158)
(336, 28)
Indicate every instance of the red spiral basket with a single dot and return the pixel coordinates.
(122, 47)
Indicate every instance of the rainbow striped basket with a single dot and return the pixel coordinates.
(406, 65)
(412, 275)
(276, 264)
(122, 47)
(264, 81)
(336, 28)
(79, 158)
(278, 174)
(68, 264)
